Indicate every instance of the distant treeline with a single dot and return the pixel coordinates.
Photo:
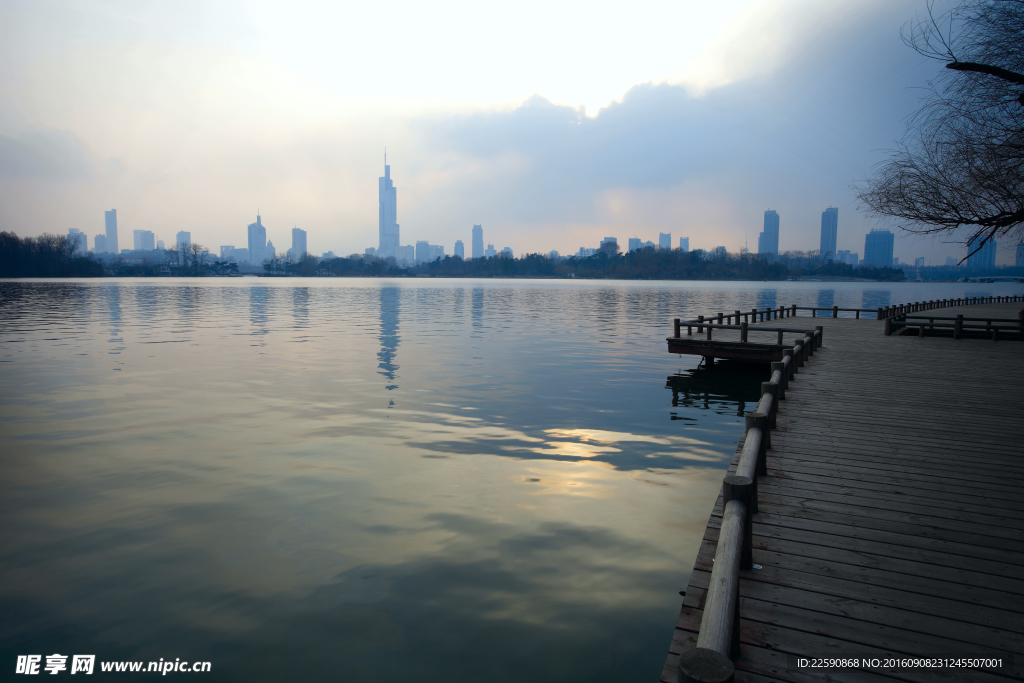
(44, 256)
(643, 264)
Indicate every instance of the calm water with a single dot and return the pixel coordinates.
(366, 480)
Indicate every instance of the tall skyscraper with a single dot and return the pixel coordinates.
(110, 219)
(665, 241)
(878, 248)
(478, 241)
(78, 241)
(490, 251)
(768, 240)
(298, 243)
(829, 230)
(183, 238)
(460, 249)
(388, 198)
(257, 241)
(684, 244)
(422, 251)
(984, 257)
(143, 240)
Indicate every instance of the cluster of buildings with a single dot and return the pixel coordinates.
(878, 244)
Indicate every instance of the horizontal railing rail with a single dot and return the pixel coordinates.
(1008, 327)
(718, 641)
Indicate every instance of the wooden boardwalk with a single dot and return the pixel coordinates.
(891, 521)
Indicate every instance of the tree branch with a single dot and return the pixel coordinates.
(996, 71)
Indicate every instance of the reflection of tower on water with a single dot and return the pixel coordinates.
(389, 307)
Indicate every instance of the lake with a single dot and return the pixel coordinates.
(367, 480)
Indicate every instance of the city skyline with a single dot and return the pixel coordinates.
(685, 142)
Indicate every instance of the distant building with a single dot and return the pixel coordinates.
(985, 257)
(405, 255)
(422, 251)
(553, 255)
(436, 252)
(684, 244)
(896, 262)
(829, 231)
(634, 243)
(370, 251)
(478, 241)
(388, 199)
(1020, 255)
(609, 240)
(951, 262)
(298, 243)
(183, 239)
(489, 251)
(584, 252)
(328, 255)
(257, 241)
(100, 242)
(143, 240)
(460, 249)
(878, 246)
(919, 262)
(111, 223)
(665, 241)
(850, 258)
(506, 252)
(768, 240)
(78, 242)
(269, 251)
(720, 251)
(233, 255)
(646, 244)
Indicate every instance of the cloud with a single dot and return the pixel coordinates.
(46, 155)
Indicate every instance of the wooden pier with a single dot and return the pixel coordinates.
(890, 520)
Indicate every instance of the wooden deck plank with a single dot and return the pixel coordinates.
(885, 526)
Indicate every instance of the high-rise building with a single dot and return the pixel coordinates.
(829, 232)
(422, 251)
(609, 244)
(110, 221)
(553, 255)
(919, 262)
(143, 240)
(388, 198)
(665, 241)
(160, 245)
(506, 252)
(436, 252)
(878, 246)
(78, 241)
(720, 251)
(183, 239)
(634, 243)
(406, 255)
(101, 244)
(298, 243)
(460, 249)
(257, 241)
(489, 251)
(985, 257)
(1020, 255)
(768, 240)
(478, 241)
(269, 252)
(684, 244)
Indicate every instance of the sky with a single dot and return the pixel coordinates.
(552, 124)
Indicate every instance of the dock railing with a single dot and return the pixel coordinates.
(738, 320)
(1005, 328)
(718, 641)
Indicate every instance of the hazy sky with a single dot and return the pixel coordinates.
(553, 124)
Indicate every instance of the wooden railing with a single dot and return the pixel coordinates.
(755, 315)
(718, 641)
(1008, 328)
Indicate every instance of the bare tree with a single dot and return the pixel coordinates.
(198, 256)
(961, 163)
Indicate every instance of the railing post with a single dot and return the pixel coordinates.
(835, 311)
(709, 332)
(737, 317)
(783, 378)
(720, 318)
(744, 489)
(743, 331)
(700, 328)
(814, 312)
(792, 364)
(677, 326)
(888, 327)
(773, 390)
(821, 335)
(779, 342)
(793, 311)
(958, 326)
(753, 315)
